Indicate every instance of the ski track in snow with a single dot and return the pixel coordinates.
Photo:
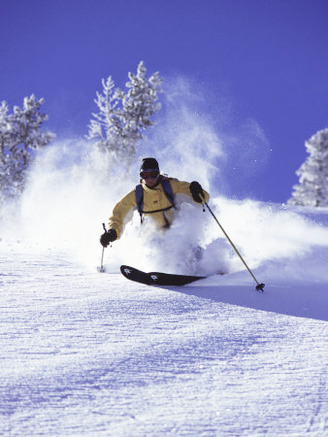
(90, 354)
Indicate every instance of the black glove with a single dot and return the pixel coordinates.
(108, 237)
(196, 190)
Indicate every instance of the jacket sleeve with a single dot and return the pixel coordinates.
(183, 188)
(122, 213)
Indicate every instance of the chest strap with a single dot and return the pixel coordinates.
(139, 192)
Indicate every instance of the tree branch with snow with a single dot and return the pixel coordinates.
(123, 116)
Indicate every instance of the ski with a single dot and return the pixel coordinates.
(157, 278)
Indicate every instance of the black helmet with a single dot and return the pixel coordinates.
(149, 164)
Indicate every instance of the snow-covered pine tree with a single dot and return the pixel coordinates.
(123, 116)
(140, 103)
(20, 137)
(312, 189)
(106, 125)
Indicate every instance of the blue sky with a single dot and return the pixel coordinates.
(259, 60)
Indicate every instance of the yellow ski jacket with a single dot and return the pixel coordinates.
(154, 199)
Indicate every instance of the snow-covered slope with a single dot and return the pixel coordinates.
(85, 353)
(92, 354)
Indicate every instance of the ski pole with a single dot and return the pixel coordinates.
(259, 286)
(101, 268)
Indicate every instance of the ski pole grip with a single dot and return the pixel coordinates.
(104, 227)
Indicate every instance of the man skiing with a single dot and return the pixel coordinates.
(154, 197)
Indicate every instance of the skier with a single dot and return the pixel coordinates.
(155, 196)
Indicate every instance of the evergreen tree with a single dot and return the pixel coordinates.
(106, 125)
(123, 116)
(312, 189)
(20, 137)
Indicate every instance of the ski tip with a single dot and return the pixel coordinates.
(260, 287)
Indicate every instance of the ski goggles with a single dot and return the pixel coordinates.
(149, 174)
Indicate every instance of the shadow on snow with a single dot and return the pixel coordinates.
(301, 300)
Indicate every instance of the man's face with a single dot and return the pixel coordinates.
(150, 177)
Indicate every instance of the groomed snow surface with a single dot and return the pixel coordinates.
(85, 353)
